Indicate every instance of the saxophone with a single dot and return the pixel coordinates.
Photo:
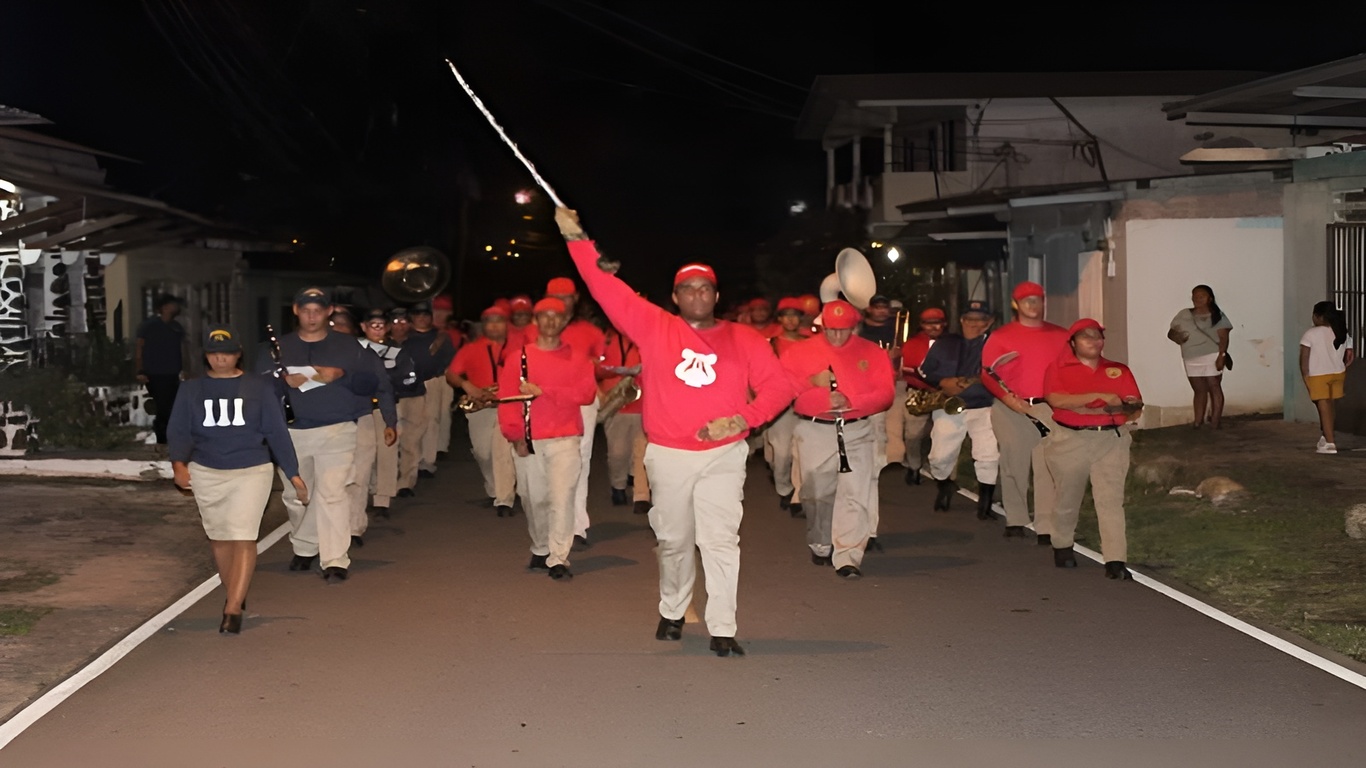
(922, 402)
(621, 393)
(468, 405)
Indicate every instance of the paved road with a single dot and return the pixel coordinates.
(442, 650)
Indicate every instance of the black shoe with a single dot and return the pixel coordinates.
(785, 501)
(619, 497)
(425, 473)
(946, 490)
(1115, 570)
(642, 508)
(382, 512)
(1064, 558)
(820, 559)
(669, 629)
(334, 573)
(1044, 540)
(848, 572)
(357, 541)
(630, 481)
(725, 646)
(301, 563)
(581, 541)
(912, 476)
(232, 624)
(560, 571)
(872, 545)
(406, 493)
(538, 563)
(985, 494)
(796, 509)
(503, 510)
(1015, 532)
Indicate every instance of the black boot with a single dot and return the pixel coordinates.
(946, 490)
(1064, 558)
(985, 495)
(1115, 569)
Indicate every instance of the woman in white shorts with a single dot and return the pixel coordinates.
(1202, 331)
(223, 429)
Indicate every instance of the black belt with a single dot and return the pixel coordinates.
(1092, 428)
(829, 421)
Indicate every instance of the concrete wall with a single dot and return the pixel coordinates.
(1241, 259)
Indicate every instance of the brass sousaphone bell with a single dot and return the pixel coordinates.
(415, 274)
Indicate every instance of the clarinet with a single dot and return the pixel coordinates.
(280, 372)
(526, 411)
(839, 428)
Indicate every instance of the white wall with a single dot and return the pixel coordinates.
(1242, 260)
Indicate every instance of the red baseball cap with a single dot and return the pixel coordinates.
(760, 302)
(550, 304)
(494, 311)
(689, 271)
(1084, 324)
(811, 304)
(933, 313)
(520, 303)
(442, 302)
(790, 303)
(560, 286)
(838, 315)
(1025, 290)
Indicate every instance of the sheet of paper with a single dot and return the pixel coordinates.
(310, 372)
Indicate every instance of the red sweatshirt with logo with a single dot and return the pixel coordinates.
(862, 369)
(689, 376)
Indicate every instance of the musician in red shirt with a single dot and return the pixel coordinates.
(1095, 401)
(761, 318)
(697, 373)
(780, 450)
(623, 429)
(1017, 414)
(906, 433)
(547, 442)
(474, 373)
(839, 376)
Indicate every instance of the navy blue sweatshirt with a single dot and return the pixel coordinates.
(429, 364)
(954, 356)
(398, 366)
(346, 399)
(230, 424)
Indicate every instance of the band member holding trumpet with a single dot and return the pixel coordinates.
(697, 373)
(954, 366)
(474, 373)
(840, 506)
(1095, 401)
(619, 398)
(547, 442)
(1020, 416)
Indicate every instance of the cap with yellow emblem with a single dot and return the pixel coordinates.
(221, 338)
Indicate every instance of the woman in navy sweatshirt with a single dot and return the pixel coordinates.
(223, 429)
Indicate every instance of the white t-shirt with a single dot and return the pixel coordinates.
(1323, 359)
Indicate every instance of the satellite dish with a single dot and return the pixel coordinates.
(856, 279)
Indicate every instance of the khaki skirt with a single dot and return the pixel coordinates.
(232, 501)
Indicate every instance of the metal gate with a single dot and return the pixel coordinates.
(1347, 276)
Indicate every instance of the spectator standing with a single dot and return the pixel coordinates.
(1202, 332)
(1325, 352)
(159, 359)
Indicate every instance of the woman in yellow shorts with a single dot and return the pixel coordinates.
(1325, 353)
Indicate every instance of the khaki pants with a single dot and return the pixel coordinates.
(546, 481)
(1103, 457)
(946, 442)
(906, 433)
(493, 453)
(376, 470)
(1021, 450)
(412, 425)
(787, 470)
(590, 428)
(621, 431)
(642, 478)
(698, 502)
(840, 507)
(327, 466)
(438, 403)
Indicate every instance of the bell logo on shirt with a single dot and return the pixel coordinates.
(1113, 373)
(696, 369)
(223, 419)
(863, 365)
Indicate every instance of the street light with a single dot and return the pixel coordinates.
(893, 254)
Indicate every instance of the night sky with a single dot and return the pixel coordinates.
(668, 125)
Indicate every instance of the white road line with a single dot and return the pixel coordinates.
(29, 715)
(1260, 635)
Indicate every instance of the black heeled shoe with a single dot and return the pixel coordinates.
(232, 624)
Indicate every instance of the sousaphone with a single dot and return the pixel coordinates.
(856, 279)
(415, 274)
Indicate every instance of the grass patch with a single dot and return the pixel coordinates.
(15, 622)
(27, 581)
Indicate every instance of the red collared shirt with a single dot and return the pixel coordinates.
(1068, 375)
